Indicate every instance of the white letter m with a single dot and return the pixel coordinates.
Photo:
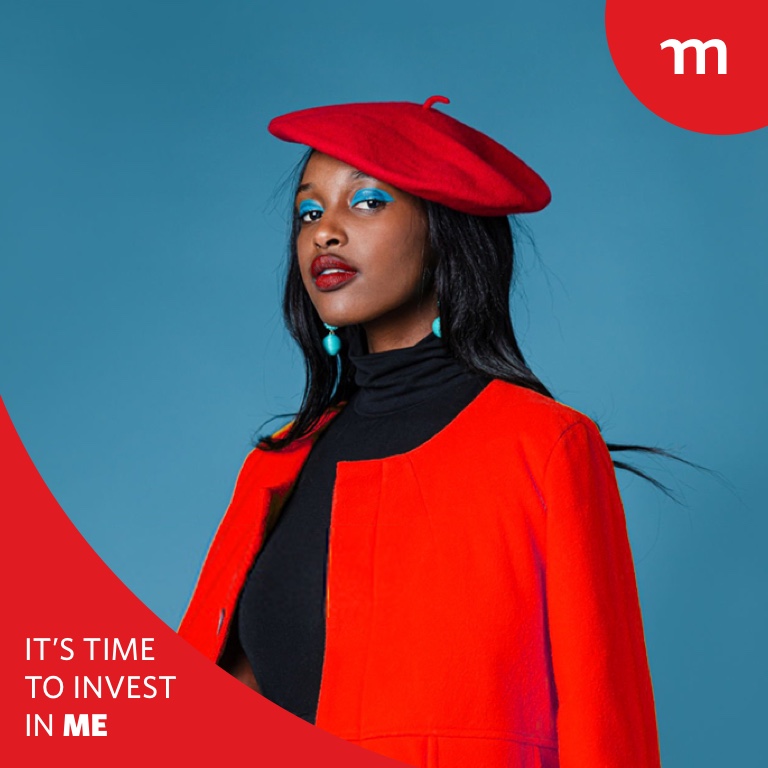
(74, 727)
(701, 49)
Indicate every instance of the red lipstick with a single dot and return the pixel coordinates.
(331, 272)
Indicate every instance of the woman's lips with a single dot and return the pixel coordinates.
(331, 272)
(328, 281)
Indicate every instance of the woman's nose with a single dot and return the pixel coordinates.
(329, 232)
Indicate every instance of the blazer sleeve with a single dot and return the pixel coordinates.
(605, 715)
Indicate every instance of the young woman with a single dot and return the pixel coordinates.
(431, 560)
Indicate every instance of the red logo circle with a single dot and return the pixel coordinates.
(699, 64)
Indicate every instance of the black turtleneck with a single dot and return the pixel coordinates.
(405, 397)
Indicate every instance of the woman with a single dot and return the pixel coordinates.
(431, 560)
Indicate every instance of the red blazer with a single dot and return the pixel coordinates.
(481, 599)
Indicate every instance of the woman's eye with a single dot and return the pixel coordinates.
(371, 199)
(310, 210)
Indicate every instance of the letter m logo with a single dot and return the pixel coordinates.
(701, 50)
(74, 727)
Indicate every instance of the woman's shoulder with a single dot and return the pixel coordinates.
(292, 451)
(512, 417)
(528, 409)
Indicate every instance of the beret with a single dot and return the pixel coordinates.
(420, 150)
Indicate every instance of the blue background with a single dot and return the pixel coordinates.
(142, 234)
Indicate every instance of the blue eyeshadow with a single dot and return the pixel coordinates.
(309, 205)
(371, 193)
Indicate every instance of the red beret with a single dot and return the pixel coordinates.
(420, 150)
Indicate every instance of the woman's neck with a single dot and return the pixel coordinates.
(403, 378)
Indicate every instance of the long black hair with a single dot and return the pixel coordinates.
(473, 267)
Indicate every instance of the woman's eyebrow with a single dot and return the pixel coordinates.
(352, 174)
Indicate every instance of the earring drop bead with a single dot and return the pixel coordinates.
(436, 322)
(331, 342)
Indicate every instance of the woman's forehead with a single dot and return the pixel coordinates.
(325, 168)
(320, 165)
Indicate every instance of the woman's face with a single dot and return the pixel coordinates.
(362, 246)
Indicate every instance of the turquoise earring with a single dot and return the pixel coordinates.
(436, 322)
(331, 342)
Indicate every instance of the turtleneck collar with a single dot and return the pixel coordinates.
(402, 378)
